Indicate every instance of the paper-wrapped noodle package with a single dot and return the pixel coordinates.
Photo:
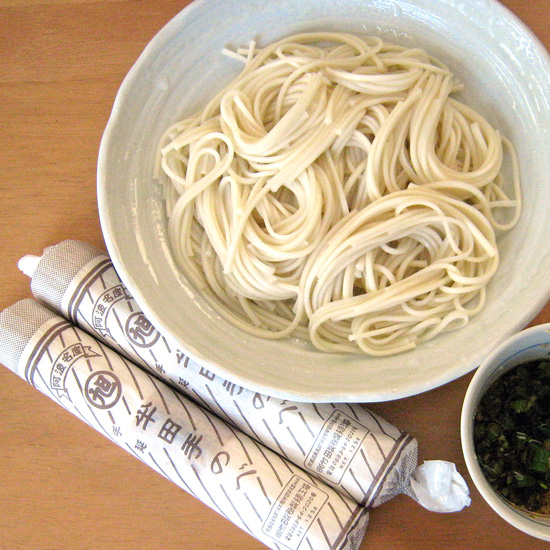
(262, 492)
(344, 445)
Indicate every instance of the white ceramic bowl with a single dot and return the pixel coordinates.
(507, 73)
(529, 344)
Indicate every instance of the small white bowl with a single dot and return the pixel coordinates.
(529, 344)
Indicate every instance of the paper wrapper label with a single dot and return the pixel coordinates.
(343, 444)
(335, 446)
(294, 512)
(255, 488)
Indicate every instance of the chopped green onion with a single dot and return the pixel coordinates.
(512, 435)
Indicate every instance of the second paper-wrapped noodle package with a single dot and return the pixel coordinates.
(347, 446)
(291, 474)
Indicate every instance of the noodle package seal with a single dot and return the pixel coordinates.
(347, 447)
(260, 491)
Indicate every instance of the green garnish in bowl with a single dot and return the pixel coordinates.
(512, 435)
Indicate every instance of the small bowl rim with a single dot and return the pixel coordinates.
(529, 523)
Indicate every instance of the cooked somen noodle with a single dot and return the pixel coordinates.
(335, 191)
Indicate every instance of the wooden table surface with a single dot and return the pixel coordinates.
(63, 486)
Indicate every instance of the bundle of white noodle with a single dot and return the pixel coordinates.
(336, 191)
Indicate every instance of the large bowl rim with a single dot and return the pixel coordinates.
(118, 255)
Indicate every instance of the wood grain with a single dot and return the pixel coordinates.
(64, 486)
